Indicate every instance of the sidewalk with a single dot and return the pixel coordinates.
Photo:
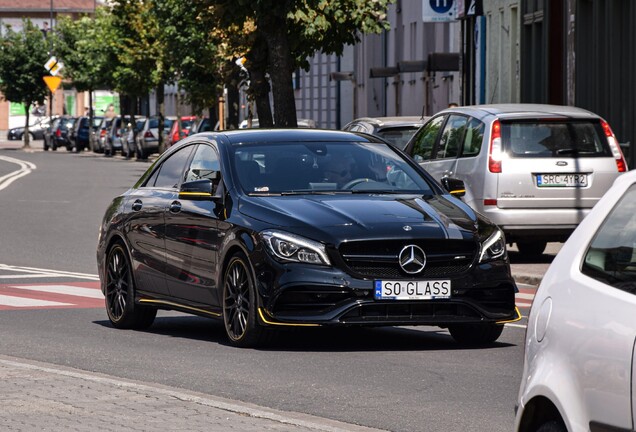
(39, 396)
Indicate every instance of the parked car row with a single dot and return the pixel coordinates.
(36, 130)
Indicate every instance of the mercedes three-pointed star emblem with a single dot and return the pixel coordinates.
(412, 259)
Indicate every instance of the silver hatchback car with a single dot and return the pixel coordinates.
(579, 369)
(534, 170)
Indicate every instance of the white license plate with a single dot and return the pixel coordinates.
(412, 290)
(561, 180)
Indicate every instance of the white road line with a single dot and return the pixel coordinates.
(25, 169)
(31, 276)
(63, 289)
(6, 300)
(48, 271)
(525, 296)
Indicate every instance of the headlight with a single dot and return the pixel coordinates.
(494, 247)
(287, 247)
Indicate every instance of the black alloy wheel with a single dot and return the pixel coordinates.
(122, 311)
(239, 304)
(478, 334)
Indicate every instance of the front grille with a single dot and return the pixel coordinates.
(299, 301)
(379, 258)
(432, 312)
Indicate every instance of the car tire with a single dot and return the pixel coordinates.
(121, 309)
(53, 145)
(240, 304)
(477, 334)
(531, 248)
(552, 426)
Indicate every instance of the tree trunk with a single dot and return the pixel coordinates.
(233, 101)
(260, 93)
(90, 118)
(280, 66)
(259, 86)
(27, 137)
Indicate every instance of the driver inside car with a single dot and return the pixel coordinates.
(338, 170)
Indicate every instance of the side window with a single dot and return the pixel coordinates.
(473, 138)
(204, 163)
(611, 258)
(425, 138)
(171, 171)
(451, 137)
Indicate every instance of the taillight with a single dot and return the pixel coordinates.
(616, 149)
(102, 133)
(494, 151)
(148, 134)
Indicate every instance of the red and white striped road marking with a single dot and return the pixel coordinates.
(70, 295)
(525, 296)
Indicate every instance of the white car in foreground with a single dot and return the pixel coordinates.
(580, 356)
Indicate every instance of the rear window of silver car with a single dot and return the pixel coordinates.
(547, 139)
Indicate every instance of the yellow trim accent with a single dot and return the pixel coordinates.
(262, 315)
(458, 191)
(512, 320)
(198, 194)
(180, 305)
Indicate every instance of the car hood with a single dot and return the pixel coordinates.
(336, 218)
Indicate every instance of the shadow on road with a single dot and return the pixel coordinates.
(345, 339)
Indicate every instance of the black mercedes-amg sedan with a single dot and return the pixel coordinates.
(272, 228)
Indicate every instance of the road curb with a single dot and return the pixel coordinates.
(69, 381)
(527, 279)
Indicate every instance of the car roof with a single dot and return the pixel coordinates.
(512, 111)
(391, 121)
(289, 135)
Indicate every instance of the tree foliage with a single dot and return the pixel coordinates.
(83, 46)
(22, 57)
(287, 32)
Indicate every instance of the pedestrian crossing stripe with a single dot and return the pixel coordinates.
(21, 302)
(51, 296)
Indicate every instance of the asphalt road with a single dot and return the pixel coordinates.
(401, 379)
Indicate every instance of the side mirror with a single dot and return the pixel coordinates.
(454, 186)
(197, 189)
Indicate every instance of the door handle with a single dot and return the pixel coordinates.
(137, 205)
(175, 207)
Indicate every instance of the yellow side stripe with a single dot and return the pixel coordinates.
(262, 315)
(215, 314)
(200, 194)
(517, 318)
(458, 191)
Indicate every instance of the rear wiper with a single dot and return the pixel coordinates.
(573, 151)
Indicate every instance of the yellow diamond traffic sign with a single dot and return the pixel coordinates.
(53, 82)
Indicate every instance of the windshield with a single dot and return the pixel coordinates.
(398, 136)
(325, 167)
(153, 123)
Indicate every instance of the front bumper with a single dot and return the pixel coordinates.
(297, 294)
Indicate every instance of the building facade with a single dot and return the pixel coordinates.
(411, 69)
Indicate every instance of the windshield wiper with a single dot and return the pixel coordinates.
(316, 192)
